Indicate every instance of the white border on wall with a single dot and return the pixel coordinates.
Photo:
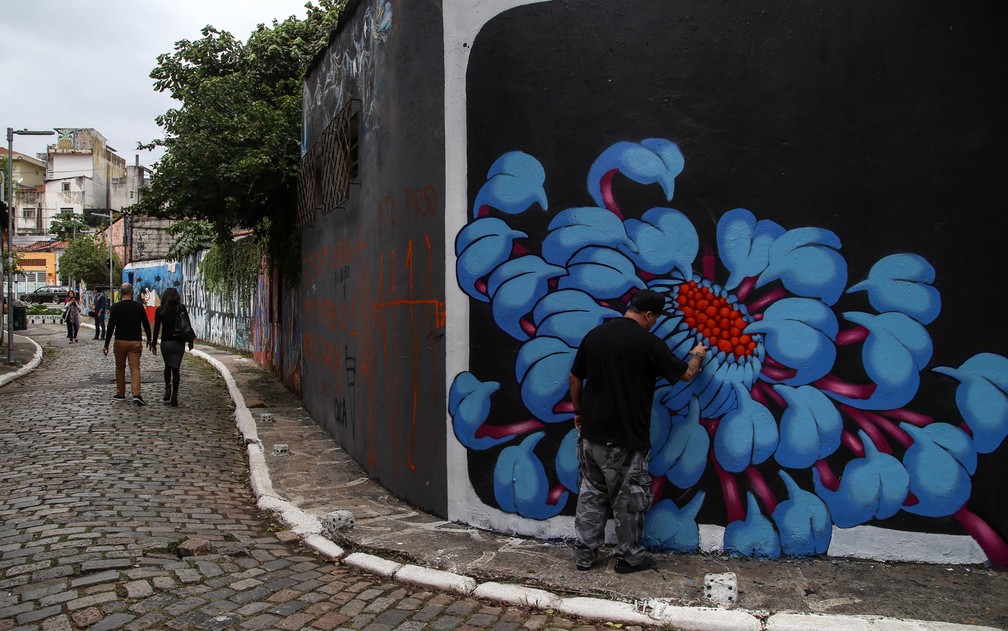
(463, 20)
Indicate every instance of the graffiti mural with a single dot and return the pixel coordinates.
(810, 234)
(150, 279)
(771, 396)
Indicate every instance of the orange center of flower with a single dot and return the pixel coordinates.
(715, 318)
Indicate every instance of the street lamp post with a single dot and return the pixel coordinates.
(11, 132)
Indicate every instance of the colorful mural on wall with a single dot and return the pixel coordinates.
(150, 279)
(771, 394)
(772, 169)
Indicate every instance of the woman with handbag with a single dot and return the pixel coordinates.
(71, 315)
(171, 320)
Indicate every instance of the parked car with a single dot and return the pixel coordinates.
(47, 294)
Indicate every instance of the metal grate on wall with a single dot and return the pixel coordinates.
(329, 167)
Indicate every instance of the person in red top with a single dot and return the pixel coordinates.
(612, 383)
(126, 318)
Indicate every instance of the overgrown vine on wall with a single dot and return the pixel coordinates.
(231, 269)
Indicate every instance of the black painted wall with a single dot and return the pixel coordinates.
(883, 122)
(372, 317)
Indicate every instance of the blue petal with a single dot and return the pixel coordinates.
(810, 427)
(982, 398)
(668, 527)
(665, 242)
(753, 536)
(652, 161)
(873, 487)
(744, 244)
(896, 350)
(799, 333)
(520, 484)
(807, 262)
(602, 272)
(569, 314)
(746, 435)
(515, 287)
(480, 247)
(567, 461)
(577, 228)
(802, 521)
(903, 283)
(682, 458)
(469, 407)
(542, 368)
(514, 183)
(940, 463)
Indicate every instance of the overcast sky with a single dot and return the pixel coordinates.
(87, 63)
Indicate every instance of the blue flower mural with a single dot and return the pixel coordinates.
(771, 395)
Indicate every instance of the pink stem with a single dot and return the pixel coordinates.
(826, 475)
(773, 363)
(528, 327)
(563, 407)
(851, 442)
(762, 490)
(729, 487)
(845, 388)
(778, 374)
(513, 429)
(911, 499)
(772, 394)
(766, 300)
(657, 487)
(555, 493)
(852, 336)
(708, 263)
(990, 541)
(904, 439)
(484, 211)
(914, 418)
(745, 288)
(757, 394)
(517, 249)
(481, 287)
(866, 425)
(606, 185)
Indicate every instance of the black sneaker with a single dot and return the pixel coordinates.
(119, 397)
(622, 567)
(584, 566)
(138, 400)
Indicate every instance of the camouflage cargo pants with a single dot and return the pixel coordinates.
(612, 479)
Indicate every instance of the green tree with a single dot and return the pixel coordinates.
(233, 145)
(67, 226)
(86, 259)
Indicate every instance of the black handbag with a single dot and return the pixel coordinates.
(183, 327)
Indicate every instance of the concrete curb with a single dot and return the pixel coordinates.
(27, 368)
(822, 622)
(648, 612)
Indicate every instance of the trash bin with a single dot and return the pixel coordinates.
(20, 316)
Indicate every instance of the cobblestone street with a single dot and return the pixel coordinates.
(119, 516)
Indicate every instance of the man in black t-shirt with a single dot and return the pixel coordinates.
(612, 384)
(126, 317)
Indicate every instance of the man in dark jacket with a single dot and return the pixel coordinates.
(99, 316)
(612, 384)
(126, 318)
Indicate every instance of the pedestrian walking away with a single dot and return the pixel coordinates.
(71, 315)
(126, 318)
(612, 383)
(99, 315)
(171, 320)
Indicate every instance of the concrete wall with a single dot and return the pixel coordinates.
(825, 177)
(372, 297)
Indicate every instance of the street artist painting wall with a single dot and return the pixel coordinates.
(371, 211)
(817, 188)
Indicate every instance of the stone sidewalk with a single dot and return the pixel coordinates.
(316, 477)
(116, 516)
